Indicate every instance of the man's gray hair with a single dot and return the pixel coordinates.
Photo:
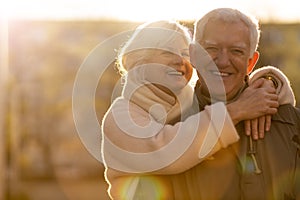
(229, 15)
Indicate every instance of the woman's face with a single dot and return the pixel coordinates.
(169, 70)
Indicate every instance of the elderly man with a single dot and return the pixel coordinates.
(249, 169)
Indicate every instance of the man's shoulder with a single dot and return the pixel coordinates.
(287, 113)
(289, 108)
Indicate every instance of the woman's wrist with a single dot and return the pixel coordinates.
(234, 113)
(271, 78)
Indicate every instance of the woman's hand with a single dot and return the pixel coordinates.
(257, 127)
(255, 105)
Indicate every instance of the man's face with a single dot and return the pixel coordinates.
(228, 44)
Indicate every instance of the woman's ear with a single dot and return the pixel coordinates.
(192, 49)
(252, 62)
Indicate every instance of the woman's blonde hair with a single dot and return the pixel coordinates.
(146, 39)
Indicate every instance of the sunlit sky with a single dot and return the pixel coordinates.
(143, 10)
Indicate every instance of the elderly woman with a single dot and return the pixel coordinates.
(147, 133)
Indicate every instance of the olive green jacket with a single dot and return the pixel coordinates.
(231, 173)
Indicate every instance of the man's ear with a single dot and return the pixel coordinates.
(252, 62)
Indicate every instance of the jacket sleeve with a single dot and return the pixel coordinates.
(284, 90)
(167, 149)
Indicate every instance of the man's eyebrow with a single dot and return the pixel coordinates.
(209, 42)
(241, 45)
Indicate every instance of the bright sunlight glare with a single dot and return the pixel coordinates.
(137, 10)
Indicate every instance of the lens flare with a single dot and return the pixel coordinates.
(145, 187)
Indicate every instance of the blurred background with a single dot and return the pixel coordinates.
(43, 45)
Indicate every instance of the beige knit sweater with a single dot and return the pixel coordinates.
(137, 141)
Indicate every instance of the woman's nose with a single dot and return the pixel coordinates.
(178, 60)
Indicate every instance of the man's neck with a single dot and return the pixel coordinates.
(205, 99)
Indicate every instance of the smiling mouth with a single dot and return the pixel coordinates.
(222, 74)
(175, 73)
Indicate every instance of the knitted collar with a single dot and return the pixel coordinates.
(163, 107)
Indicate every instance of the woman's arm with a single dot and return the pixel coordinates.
(273, 78)
(280, 81)
(255, 101)
(168, 149)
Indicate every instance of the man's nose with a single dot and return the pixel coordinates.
(222, 59)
